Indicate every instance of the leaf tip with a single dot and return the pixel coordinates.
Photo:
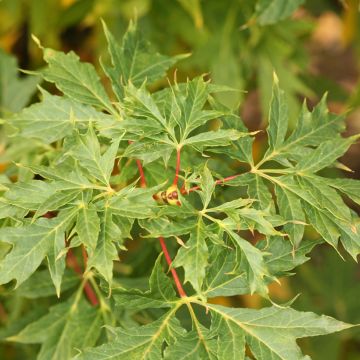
(37, 41)
(275, 78)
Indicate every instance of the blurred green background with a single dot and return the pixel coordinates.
(312, 45)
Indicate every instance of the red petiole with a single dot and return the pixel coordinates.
(73, 263)
(141, 172)
(177, 169)
(217, 182)
(184, 192)
(173, 271)
(161, 239)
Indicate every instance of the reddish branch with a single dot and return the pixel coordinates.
(142, 175)
(183, 191)
(177, 169)
(141, 170)
(217, 182)
(173, 271)
(73, 263)
(161, 239)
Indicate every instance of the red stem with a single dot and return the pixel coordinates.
(161, 239)
(72, 262)
(173, 271)
(141, 172)
(177, 169)
(217, 182)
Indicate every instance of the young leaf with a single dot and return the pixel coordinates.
(88, 225)
(141, 104)
(67, 328)
(42, 238)
(131, 202)
(253, 260)
(76, 79)
(194, 256)
(134, 61)
(278, 118)
(87, 151)
(105, 252)
(214, 138)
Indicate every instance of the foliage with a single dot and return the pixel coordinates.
(106, 168)
(238, 41)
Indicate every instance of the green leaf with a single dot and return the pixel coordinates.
(160, 294)
(88, 225)
(54, 118)
(15, 91)
(144, 342)
(105, 252)
(140, 103)
(223, 275)
(231, 206)
(324, 210)
(31, 243)
(67, 328)
(76, 79)
(65, 177)
(281, 256)
(192, 113)
(272, 11)
(87, 151)
(57, 200)
(193, 256)
(278, 118)
(214, 138)
(290, 209)
(349, 187)
(197, 344)
(257, 219)
(28, 195)
(312, 129)
(256, 189)
(271, 332)
(134, 61)
(133, 202)
(325, 155)
(167, 227)
(40, 285)
(149, 150)
(253, 260)
(207, 185)
(231, 340)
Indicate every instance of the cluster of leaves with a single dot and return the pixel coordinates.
(81, 193)
(236, 40)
